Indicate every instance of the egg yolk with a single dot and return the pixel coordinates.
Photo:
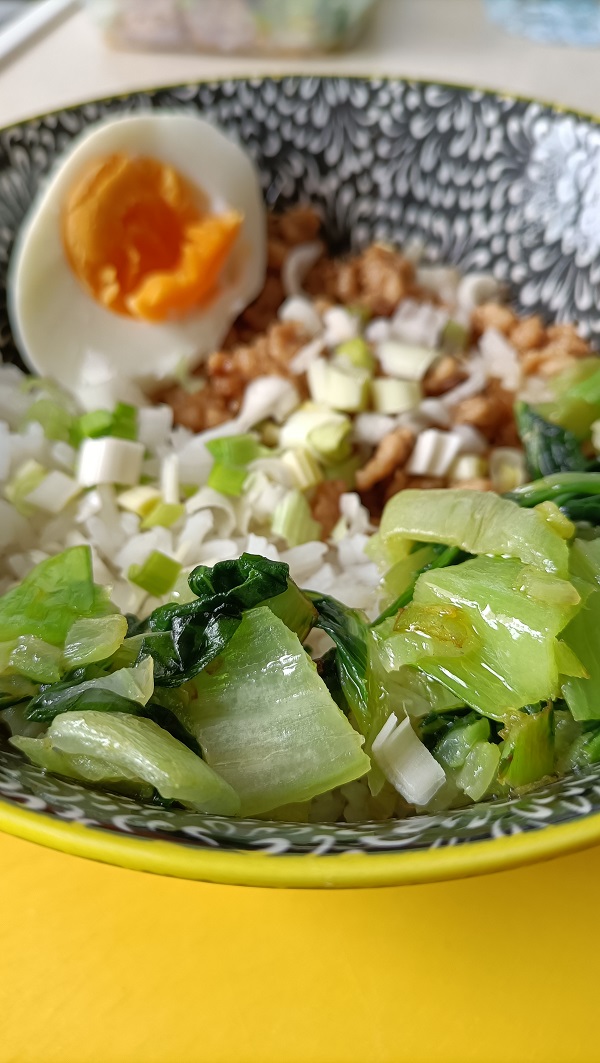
(139, 238)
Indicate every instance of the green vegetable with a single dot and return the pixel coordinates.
(54, 418)
(94, 639)
(184, 637)
(454, 338)
(440, 557)
(122, 423)
(479, 523)
(36, 660)
(278, 738)
(528, 751)
(549, 448)
(236, 450)
(28, 476)
(453, 749)
(163, 515)
(484, 634)
(94, 424)
(293, 521)
(106, 692)
(349, 630)
(157, 575)
(575, 493)
(133, 748)
(52, 597)
(577, 398)
(479, 770)
(295, 609)
(358, 353)
(585, 750)
(227, 479)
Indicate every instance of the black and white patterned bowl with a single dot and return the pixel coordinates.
(487, 183)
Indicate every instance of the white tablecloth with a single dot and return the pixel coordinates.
(438, 39)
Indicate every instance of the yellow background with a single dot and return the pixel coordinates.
(102, 965)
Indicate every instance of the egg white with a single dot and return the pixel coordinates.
(60, 329)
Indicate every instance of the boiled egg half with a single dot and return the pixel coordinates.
(145, 244)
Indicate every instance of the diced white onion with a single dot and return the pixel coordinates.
(64, 455)
(340, 325)
(478, 288)
(14, 528)
(433, 454)
(471, 439)
(405, 361)
(378, 330)
(222, 508)
(110, 461)
(370, 428)
(500, 359)
(303, 467)
(406, 763)
(139, 500)
(300, 309)
(434, 411)
(395, 396)
(473, 385)
(154, 425)
(297, 264)
(4, 451)
(267, 396)
(307, 355)
(169, 479)
(419, 323)
(442, 280)
(54, 492)
(341, 388)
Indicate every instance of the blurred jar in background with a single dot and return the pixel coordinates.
(551, 21)
(265, 26)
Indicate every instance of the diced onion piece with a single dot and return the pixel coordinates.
(474, 383)
(340, 325)
(471, 440)
(169, 479)
(305, 469)
(266, 396)
(307, 355)
(378, 330)
(154, 425)
(406, 763)
(157, 574)
(434, 453)
(434, 411)
(300, 428)
(467, 467)
(54, 492)
(500, 359)
(110, 461)
(404, 360)
(300, 309)
(227, 479)
(395, 396)
(371, 428)
(442, 280)
(477, 288)
(297, 264)
(338, 387)
(507, 469)
(139, 500)
(4, 450)
(293, 521)
(420, 323)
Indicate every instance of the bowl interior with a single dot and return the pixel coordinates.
(481, 181)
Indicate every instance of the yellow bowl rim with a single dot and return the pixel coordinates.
(305, 871)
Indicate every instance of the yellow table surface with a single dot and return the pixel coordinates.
(102, 965)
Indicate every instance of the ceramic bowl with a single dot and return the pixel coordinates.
(485, 182)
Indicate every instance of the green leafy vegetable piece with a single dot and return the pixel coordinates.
(549, 448)
(54, 418)
(52, 597)
(350, 631)
(106, 693)
(135, 748)
(476, 522)
(15, 688)
(585, 750)
(454, 747)
(528, 750)
(93, 639)
(227, 479)
(236, 450)
(278, 738)
(295, 609)
(479, 770)
(157, 574)
(184, 637)
(36, 660)
(492, 641)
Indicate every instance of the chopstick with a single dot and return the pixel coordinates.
(23, 29)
